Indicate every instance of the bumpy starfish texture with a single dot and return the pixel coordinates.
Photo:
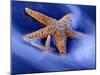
(59, 29)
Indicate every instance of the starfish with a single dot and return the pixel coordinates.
(58, 29)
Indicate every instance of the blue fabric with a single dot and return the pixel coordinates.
(28, 59)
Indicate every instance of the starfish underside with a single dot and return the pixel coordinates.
(59, 29)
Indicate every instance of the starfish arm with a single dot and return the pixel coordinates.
(66, 19)
(47, 44)
(75, 34)
(41, 33)
(38, 46)
(61, 43)
(44, 19)
(46, 47)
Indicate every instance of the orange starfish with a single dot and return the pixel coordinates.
(59, 29)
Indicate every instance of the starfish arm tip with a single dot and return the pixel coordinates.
(26, 9)
(25, 39)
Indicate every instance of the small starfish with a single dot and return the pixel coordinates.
(59, 29)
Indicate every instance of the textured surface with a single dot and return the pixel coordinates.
(28, 59)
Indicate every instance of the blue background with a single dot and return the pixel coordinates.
(28, 59)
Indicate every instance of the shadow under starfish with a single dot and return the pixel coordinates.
(59, 29)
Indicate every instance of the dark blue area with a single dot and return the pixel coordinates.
(27, 59)
(23, 66)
